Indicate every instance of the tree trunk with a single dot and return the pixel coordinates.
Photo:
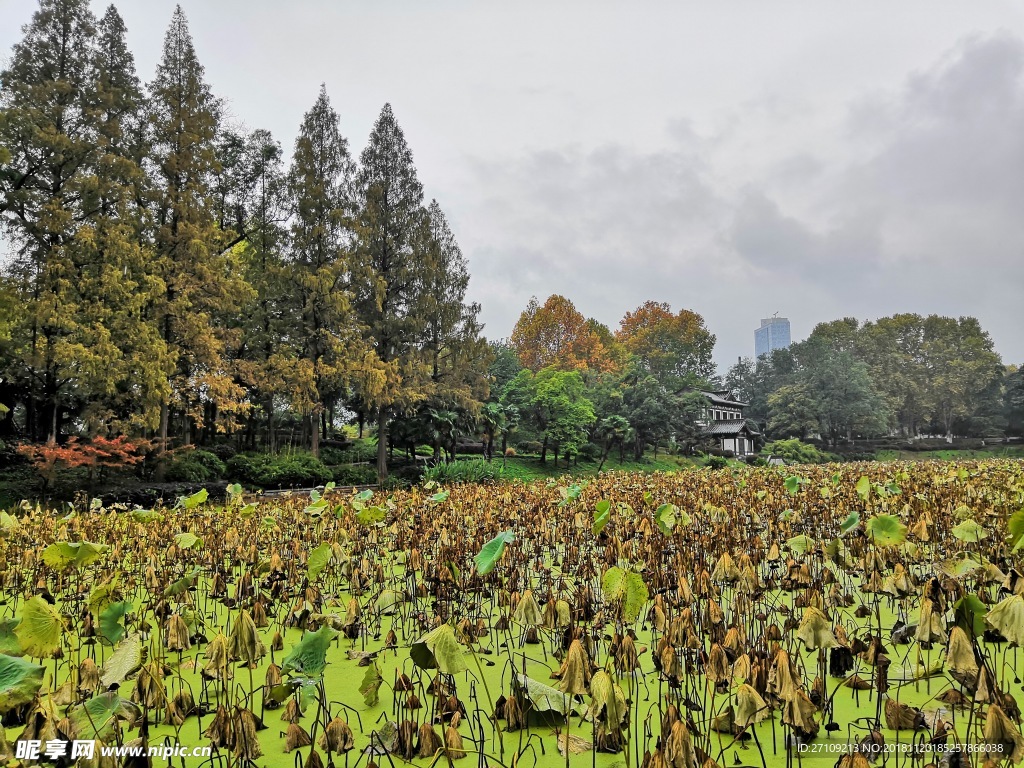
(314, 434)
(544, 450)
(165, 418)
(270, 424)
(382, 445)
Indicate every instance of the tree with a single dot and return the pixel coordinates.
(267, 323)
(830, 393)
(674, 348)
(202, 279)
(651, 409)
(893, 348)
(455, 351)
(754, 381)
(116, 281)
(386, 275)
(320, 182)
(504, 366)
(48, 113)
(556, 334)
(611, 431)
(553, 403)
(1013, 400)
(961, 366)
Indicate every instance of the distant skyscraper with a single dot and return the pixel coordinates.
(773, 334)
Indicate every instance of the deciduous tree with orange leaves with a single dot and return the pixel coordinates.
(557, 334)
(673, 347)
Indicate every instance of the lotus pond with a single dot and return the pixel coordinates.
(856, 614)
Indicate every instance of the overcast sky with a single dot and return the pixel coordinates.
(818, 159)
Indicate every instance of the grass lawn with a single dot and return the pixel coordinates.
(530, 468)
(996, 452)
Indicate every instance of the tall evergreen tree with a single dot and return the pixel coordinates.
(203, 285)
(269, 319)
(455, 351)
(48, 104)
(320, 181)
(117, 281)
(386, 275)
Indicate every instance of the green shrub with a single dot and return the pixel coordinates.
(463, 471)
(330, 455)
(245, 467)
(798, 452)
(284, 470)
(349, 475)
(195, 467)
(716, 462)
(529, 447)
(359, 452)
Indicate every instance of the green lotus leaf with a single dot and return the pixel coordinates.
(492, 551)
(40, 628)
(602, 516)
(124, 661)
(20, 680)
(309, 657)
(438, 649)
(66, 554)
(370, 686)
(98, 717)
(318, 560)
(8, 638)
(969, 530)
(183, 584)
(800, 544)
(544, 698)
(187, 540)
(145, 516)
(667, 516)
(886, 530)
(850, 522)
(110, 629)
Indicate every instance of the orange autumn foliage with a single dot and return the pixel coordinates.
(557, 334)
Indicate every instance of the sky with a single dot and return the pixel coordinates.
(818, 159)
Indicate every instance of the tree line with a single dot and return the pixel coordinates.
(905, 375)
(171, 275)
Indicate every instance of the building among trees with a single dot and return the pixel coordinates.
(773, 334)
(723, 423)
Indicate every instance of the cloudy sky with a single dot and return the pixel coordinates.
(819, 159)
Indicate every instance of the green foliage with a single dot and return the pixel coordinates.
(492, 551)
(463, 471)
(283, 470)
(349, 475)
(19, 682)
(309, 657)
(627, 589)
(196, 466)
(795, 451)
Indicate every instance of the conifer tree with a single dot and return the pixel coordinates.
(386, 275)
(48, 105)
(320, 182)
(269, 319)
(117, 279)
(451, 333)
(202, 279)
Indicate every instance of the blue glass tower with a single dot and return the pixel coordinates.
(773, 334)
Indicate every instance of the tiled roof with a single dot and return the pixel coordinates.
(720, 398)
(728, 428)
